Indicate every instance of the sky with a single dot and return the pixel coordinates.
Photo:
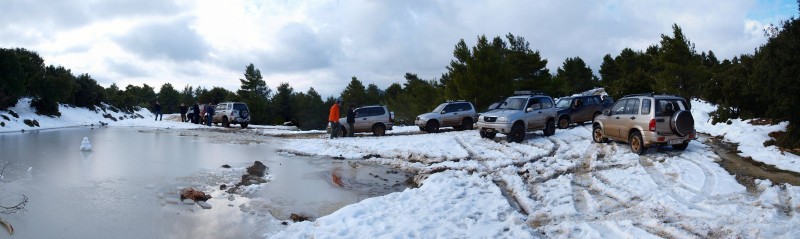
(322, 44)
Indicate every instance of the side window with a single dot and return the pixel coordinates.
(361, 112)
(451, 108)
(377, 111)
(547, 103)
(646, 106)
(632, 107)
(593, 101)
(619, 107)
(534, 103)
(466, 107)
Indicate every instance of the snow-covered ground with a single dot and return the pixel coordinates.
(560, 186)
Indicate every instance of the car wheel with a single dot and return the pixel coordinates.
(432, 126)
(342, 132)
(636, 142)
(379, 130)
(597, 135)
(244, 125)
(467, 124)
(487, 135)
(225, 122)
(563, 123)
(682, 146)
(550, 128)
(517, 133)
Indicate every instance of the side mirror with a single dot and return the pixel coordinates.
(528, 109)
(607, 112)
(442, 112)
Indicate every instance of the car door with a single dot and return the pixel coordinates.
(361, 120)
(629, 120)
(535, 116)
(376, 114)
(611, 127)
(449, 115)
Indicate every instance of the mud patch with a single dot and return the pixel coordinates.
(745, 169)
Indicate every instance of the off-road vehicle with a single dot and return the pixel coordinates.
(228, 113)
(376, 119)
(646, 120)
(578, 109)
(523, 112)
(457, 114)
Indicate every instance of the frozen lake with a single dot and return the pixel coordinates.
(122, 188)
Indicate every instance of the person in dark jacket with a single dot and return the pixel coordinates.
(351, 119)
(209, 113)
(183, 112)
(196, 114)
(157, 110)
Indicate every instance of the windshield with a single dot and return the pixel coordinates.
(563, 103)
(514, 103)
(439, 108)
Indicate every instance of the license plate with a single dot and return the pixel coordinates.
(676, 141)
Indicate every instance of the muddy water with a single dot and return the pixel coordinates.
(126, 187)
(747, 170)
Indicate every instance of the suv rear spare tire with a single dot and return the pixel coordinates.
(682, 123)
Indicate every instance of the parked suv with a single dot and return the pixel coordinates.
(525, 111)
(457, 114)
(646, 120)
(229, 113)
(578, 109)
(376, 119)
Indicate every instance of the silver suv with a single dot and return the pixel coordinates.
(229, 113)
(525, 111)
(646, 120)
(457, 114)
(376, 119)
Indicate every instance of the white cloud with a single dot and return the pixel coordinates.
(323, 43)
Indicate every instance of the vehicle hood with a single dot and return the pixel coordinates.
(501, 113)
(430, 115)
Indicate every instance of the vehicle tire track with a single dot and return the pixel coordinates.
(669, 186)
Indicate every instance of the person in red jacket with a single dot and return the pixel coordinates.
(333, 118)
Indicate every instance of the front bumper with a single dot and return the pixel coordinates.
(503, 128)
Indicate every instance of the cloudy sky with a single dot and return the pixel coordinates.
(322, 44)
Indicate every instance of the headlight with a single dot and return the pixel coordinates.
(502, 119)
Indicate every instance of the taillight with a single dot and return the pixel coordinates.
(653, 125)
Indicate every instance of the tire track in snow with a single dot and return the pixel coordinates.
(669, 186)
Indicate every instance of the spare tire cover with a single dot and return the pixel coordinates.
(244, 113)
(682, 123)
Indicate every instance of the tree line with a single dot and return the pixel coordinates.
(761, 84)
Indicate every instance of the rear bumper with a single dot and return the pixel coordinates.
(654, 138)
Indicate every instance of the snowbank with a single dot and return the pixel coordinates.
(750, 137)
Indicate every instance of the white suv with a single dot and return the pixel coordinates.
(376, 119)
(458, 114)
(525, 111)
(229, 113)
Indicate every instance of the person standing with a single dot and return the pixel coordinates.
(209, 113)
(183, 112)
(157, 109)
(351, 119)
(196, 114)
(333, 118)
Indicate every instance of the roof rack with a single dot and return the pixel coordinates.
(528, 92)
(451, 101)
(642, 94)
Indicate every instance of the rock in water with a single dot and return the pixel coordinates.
(196, 195)
(258, 169)
(85, 145)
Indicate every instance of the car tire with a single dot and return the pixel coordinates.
(432, 126)
(244, 125)
(682, 146)
(225, 122)
(517, 133)
(563, 122)
(467, 124)
(487, 135)
(550, 128)
(379, 130)
(597, 135)
(636, 143)
(342, 132)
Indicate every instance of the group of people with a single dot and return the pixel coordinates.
(209, 109)
(333, 119)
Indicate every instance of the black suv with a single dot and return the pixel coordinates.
(578, 109)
